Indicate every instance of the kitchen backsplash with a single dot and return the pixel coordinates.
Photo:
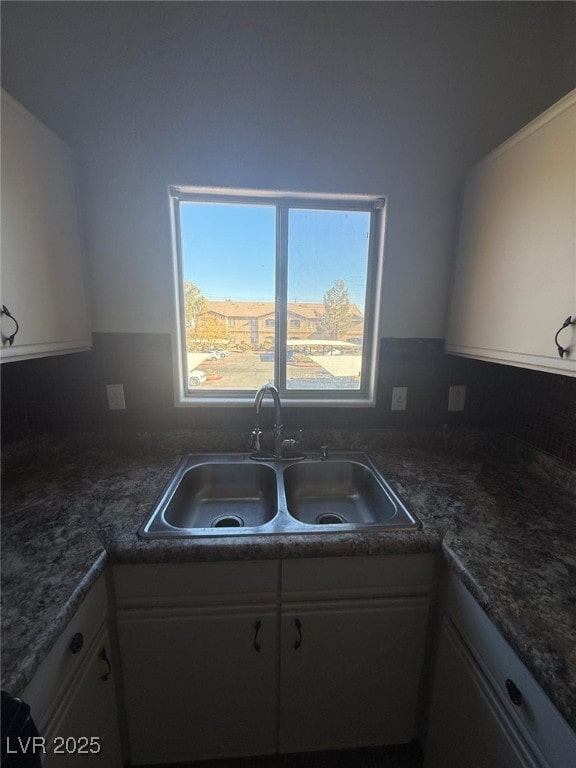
(68, 392)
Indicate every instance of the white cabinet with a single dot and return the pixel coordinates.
(73, 696)
(85, 727)
(350, 673)
(486, 709)
(515, 276)
(468, 726)
(199, 652)
(249, 658)
(199, 684)
(352, 639)
(43, 283)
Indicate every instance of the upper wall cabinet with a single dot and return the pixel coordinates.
(43, 285)
(515, 278)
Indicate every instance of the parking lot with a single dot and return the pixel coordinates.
(246, 370)
(238, 370)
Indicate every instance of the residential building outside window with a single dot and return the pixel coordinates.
(297, 276)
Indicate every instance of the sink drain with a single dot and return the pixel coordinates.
(228, 521)
(330, 518)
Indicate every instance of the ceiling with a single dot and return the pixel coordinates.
(81, 65)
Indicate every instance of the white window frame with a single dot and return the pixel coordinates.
(283, 202)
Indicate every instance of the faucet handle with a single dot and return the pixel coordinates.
(292, 441)
(255, 436)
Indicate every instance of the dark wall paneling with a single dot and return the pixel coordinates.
(68, 393)
(537, 407)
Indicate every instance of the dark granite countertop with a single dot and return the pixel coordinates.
(502, 514)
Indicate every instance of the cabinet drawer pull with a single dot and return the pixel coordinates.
(514, 693)
(102, 656)
(564, 350)
(256, 644)
(298, 642)
(9, 339)
(77, 643)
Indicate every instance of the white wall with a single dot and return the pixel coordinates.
(393, 99)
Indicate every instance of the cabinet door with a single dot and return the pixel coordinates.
(42, 262)
(540, 725)
(468, 726)
(515, 278)
(350, 673)
(84, 731)
(199, 684)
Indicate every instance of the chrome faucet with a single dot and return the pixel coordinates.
(271, 389)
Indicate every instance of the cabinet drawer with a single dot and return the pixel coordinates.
(196, 583)
(60, 665)
(536, 716)
(343, 577)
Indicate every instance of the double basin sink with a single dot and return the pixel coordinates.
(231, 495)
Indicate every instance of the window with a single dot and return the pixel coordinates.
(267, 263)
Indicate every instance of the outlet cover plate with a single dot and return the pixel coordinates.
(456, 397)
(115, 394)
(399, 398)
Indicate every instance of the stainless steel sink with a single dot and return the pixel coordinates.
(230, 495)
(215, 495)
(337, 492)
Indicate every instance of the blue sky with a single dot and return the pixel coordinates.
(228, 251)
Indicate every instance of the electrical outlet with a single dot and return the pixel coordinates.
(456, 397)
(399, 398)
(115, 394)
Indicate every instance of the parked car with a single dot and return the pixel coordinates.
(215, 354)
(196, 377)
